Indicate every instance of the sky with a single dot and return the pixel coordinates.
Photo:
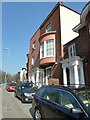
(20, 20)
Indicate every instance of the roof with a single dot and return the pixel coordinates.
(84, 13)
(52, 11)
(56, 6)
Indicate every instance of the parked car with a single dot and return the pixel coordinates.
(24, 91)
(10, 87)
(60, 102)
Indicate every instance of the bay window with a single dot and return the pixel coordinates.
(47, 49)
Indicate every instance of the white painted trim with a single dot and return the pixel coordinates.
(64, 76)
(45, 56)
(76, 75)
(74, 64)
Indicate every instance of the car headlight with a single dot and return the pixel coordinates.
(26, 94)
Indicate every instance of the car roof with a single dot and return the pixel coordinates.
(69, 87)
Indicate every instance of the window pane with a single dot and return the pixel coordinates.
(48, 28)
(51, 95)
(32, 60)
(42, 50)
(48, 72)
(68, 101)
(50, 48)
(72, 50)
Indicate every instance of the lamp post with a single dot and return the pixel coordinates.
(8, 50)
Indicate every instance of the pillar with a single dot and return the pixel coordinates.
(72, 80)
(82, 76)
(37, 77)
(64, 76)
(76, 75)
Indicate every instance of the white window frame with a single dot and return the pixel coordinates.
(34, 45)
(72, 50)
(50, 48)
(41, 56)
(51, 71)
(48, 28)
(32, 60)
(45, 52)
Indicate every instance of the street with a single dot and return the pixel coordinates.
(12, 107)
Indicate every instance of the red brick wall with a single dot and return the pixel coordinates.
(88, 40)
(53, 81)
(54, 20)
(34, 53)
(82, 48)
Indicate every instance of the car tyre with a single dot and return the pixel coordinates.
(37, 114)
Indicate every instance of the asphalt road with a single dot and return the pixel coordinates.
(13, 108)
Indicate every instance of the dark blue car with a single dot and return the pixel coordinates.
(24, 91)
(63, 103)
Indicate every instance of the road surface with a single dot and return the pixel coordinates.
(12, 107)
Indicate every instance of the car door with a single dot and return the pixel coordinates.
(50, 108)
(66, 103)
(18, 91)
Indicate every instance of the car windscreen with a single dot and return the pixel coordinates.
(26, 85)
(84, 96)
(12, 84)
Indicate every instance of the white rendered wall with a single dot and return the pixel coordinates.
(69, 19)
(21, 75)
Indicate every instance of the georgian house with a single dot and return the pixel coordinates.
(23, 75)
(46, 45)
(76, 60)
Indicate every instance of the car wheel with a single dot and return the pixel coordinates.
(37, 114)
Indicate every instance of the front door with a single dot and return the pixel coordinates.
(48, 74)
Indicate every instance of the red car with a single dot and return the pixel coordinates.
(10, 87)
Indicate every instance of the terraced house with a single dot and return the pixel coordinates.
(51, 48)
(76, 61)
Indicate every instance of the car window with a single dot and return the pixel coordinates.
(68, 101)
(26, 85)
(40, 91)
(84, 95)
(50, 94)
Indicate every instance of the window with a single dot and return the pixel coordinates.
(49, 47)
(34, 45)
(32, 60)
(72, 50)
(42, 50)
(48, 72)
(50, 95)
(40, 91)
(68, 101)
(48, 28)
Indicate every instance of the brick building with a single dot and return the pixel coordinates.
(46, 45)
(76, 60)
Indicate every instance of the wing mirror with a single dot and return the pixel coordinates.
(76, 111)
